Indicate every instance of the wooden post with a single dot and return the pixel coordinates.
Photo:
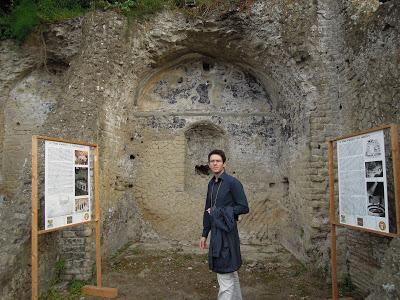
(332, 210)
(332, 220)
(34, 237)
(396, 175)
(97, 215)
(98, 290)
(91, 290)
(335, 293)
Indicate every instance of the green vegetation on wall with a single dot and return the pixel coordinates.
(73, 291)
(346, 286)
(19, 17)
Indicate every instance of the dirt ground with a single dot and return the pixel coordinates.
(178, 271)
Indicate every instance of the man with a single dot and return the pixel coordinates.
(225, 201)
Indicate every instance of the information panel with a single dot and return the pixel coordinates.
(67, 184)
(363, 200)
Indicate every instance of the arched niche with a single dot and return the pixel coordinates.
(199, 83)
(182, 111)
(201, 138)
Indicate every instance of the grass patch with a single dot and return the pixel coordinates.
(119, 251)
(204, 8)
(117, 261)
(73, 291)
(20, 21)
(51, 294)
(346, 286)
(269, 277)
(300, 269)
(142, 8)
(302, 289)
(136, 251)
(74, 287)
(17, 20)
(60, 268)
(183, 259)
(57, 10)
(24, 15)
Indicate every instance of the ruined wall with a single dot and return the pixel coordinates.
(29, 96)
(358, 90)
(18, 121)
(269, 85)
(154, 47)
(261, 111)
(181, 114)
(370, 98)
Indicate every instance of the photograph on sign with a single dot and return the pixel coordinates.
(81, 157)
(376, 199)
(67, 184)
(81, 181)
(362, 182)
(81, 204)
(373, 169)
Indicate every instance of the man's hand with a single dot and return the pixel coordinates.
(203, 243)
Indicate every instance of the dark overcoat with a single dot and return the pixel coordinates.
(227, 201)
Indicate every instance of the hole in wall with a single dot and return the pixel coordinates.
(201, 137)
(340, 106)
(271, 184)
(57, 66)
(131, 156)
(202, 169)
(206, 66)
(387, 26)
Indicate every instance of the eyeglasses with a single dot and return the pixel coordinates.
(215, 161)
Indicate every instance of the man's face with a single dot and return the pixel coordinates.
(216, 164)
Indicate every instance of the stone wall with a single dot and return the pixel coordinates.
(30, 95)
(270, 85)
(371, 98)
(152, 51)
(181, 114)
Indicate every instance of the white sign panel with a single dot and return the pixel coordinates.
(67, 184)
(362, 182)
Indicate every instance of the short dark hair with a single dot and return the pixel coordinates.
(217, 152)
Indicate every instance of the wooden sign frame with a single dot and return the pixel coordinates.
(332, 210)
(98, 290)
